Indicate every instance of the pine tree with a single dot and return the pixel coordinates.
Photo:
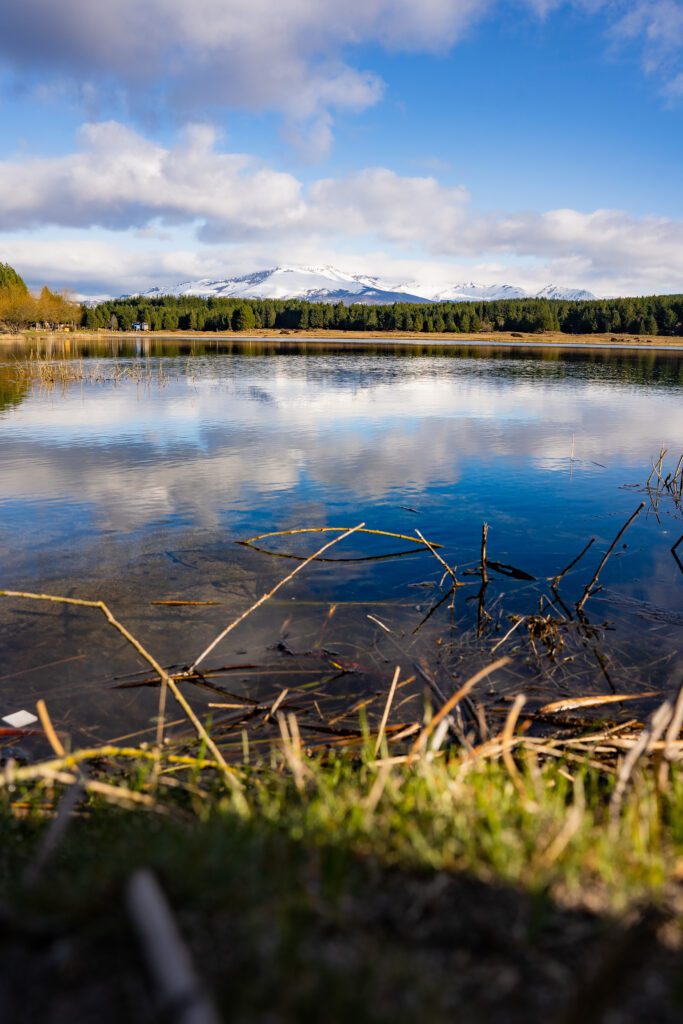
(243, 319)
(10, 280)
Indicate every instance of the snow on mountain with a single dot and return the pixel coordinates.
(315, 284)
(471, 292)
(326, 284)
(552, 291)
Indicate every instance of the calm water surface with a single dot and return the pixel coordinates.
(133, 482)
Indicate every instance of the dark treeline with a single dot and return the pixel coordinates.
(652, 315)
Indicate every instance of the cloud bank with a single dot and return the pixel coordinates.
(256, 55)
(293, 57)
(118, 180)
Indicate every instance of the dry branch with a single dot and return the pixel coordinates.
(266, 597)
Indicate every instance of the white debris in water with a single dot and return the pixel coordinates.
(20, 719)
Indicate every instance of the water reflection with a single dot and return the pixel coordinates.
(136, 488)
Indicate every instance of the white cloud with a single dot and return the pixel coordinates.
(119, 180)
(294, 57)
(658, 24)
(252, 54)
(396, 208)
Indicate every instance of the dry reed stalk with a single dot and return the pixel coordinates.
(117, 794)
(507, 735)
(567, 832)
(378, 787)
(448, 568)
(181, 996)
(183, 604)
(291, 748)
(589, 589)
(649, 736)
(49, 730)
(387, 709)
(167, 681)
(266, 597)
(453, 701)
(657, 466)
(484, 539)
(276, 704)
(555, 580)
(331, 529)
(509, 633)
(672, 733)
(57, 827)
(70, 761)
(572, 703)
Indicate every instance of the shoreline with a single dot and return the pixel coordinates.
(550, 340)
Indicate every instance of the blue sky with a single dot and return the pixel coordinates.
(526, 141)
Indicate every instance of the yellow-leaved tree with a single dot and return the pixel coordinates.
(20, 309)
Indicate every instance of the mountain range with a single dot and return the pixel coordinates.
(326, 284)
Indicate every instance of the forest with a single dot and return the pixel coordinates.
(652, 315)
(647, 315)
(19, 308)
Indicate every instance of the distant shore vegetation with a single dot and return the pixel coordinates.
(646, 315)
(20, 308)
(655, 315)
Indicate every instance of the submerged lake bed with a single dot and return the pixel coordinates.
(129, 473)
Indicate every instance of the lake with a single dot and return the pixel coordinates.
(130, 470)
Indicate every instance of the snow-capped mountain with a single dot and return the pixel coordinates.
(326, 284)
(471, 292)
(552, 291)
(315, 284)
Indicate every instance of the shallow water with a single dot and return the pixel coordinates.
(133, 483)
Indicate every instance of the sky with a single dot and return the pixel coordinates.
(520, 141)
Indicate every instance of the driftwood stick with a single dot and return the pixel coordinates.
(181, 996)
(266, 597)
(589, 589)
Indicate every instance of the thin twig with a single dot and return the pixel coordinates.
(589, 589)
(453, 701)
(509, 633)
(508, 733)
(645, 742)
(387, 709)
(266, 597)
(449, 570)
(330, 529)
(554, 580)
(166, 679)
